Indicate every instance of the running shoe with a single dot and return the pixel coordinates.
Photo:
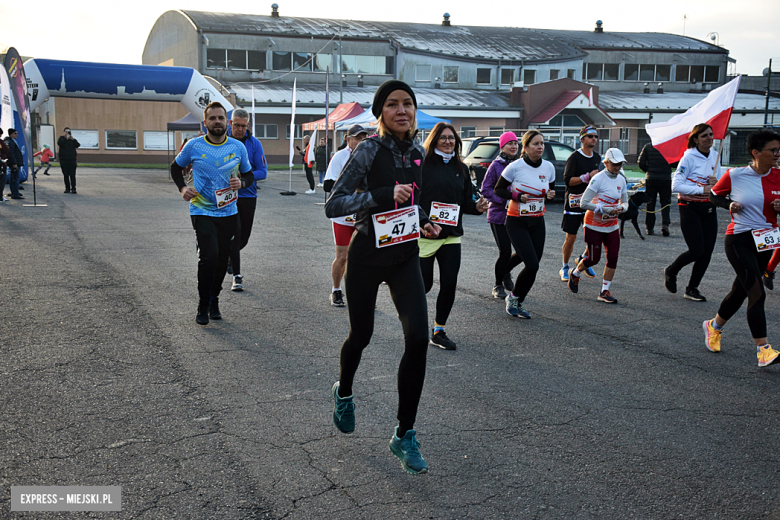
(498, 292)
(440, 339)
(309, 192)
(507, 282)
(694, 294)
(606, 297)
(512, 305)
(202, 317)
(649, 232)
(73, 191)
(564, 272)
(589, 272)
(214, 313)
(767, 356)
(522, 312)
(665, 231)
(574, 283)
(238, 283)
(229, 267)
(343, 411)
(769, 280)
(407, 449)
(337, 298)
(670, 281)
(712, 336)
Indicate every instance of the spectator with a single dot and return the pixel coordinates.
(15, 162)
(46, 155)
(321, 161)
(659, 183)
(68, 145)
(3, 158)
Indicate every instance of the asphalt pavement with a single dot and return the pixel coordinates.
(587, 410)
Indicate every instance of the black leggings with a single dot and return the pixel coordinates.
(246, 217)
(699, 224)
(406, 288)
(309, 176)
(655, 189)
(213, 235)
(506, 259)
(527, 235)
(69, 174)
(749, 265)
(448, 258)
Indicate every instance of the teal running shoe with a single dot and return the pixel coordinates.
(343, 411)
(407, 449)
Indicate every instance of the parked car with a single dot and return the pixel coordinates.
(469, 143)
(478, 161)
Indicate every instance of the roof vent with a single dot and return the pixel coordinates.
(446, 21)
(275, 10)
(660, 88)
(647, 88)
(599, 26)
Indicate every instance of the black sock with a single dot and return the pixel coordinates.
(403, 428)
(343, 391)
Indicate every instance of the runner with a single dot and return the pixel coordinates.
(526, 184)
(380, 183)
(447, 193)
(497, 215)
(247, 196)
(750, 193)
(697, 172)
(343, 227)
(580, 167)
(212, 201)
(605, 198)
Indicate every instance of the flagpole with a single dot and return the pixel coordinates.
(292, 136)
(327, 129)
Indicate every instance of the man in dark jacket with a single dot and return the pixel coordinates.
(15, 162)
(67, 155)
(3, 160)
(659, 182)
(321, 161)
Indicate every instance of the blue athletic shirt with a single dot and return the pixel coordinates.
(212, 167)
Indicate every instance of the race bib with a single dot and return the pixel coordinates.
(446, 214)
(767, 239)
(604, 220)
(575, 200)
(396, 226)
(226, 197)
(531, 208)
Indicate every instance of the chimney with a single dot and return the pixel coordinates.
(360, 80)
(647, 88)
(343, 80)
(275, 10)
(446, 21)
(660, 88)
(599, 26)
(437, 82)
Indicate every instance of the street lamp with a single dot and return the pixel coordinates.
(340, 28)
(714, 37)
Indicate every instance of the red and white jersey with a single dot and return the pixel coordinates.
(610, 192)
(693, 173)
(534, 182)
(755, 192)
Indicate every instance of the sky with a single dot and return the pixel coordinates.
(116, 32)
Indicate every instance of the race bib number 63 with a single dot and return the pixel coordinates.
(767, 239)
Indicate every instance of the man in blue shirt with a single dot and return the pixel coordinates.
(247, 197)
(220, 167)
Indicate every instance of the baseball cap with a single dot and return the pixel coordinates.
(356, 130)
(615, 156)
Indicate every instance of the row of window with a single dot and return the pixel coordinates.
(123, 140)
(298, 61)
(451, 73)
(634, 72)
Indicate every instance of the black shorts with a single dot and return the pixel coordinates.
(572, 222)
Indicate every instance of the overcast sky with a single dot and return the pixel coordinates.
(105, 31)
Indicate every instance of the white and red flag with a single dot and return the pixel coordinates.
(590, 97)
(671, 138)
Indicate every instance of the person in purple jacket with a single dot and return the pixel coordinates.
(507, 260)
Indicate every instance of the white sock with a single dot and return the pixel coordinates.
(605, 285)
(566, 264)
(336, 289)
(576, 272)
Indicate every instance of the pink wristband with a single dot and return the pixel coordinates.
(585, 178)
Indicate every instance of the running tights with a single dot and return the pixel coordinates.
(506, 259)
(406, 288)
(213, 235)
(246, 217)
(448, 258)
(527, 235)
(611, 242)
(749, 265)
(699, 225)
(309, 176)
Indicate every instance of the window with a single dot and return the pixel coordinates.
(529, 76)
(571, 73)
(282, 61)
(422, 73)
(483, 76)
(663, 72)
(647, 73)
(157, 141)
(566, 120)
(256, 60)
(301, 61)
(298, 132)
(495, 131)
(236, 59)
(216, 58)
(389, 64)
(468, 131)
(380, 65)
(507, 76)
(611, 72)
(712, 74)
(697, 73)
(88, 139)
(631, 72)
(347, 63)
(558, 152)
(593, 71)
(450, 74)
(681, 73)
(121, 140)
(365, 64)
(266, 131)
(554, 74)
(323, 62)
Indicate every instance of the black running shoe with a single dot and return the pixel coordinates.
(769, 280)
(665, 231)
(507, 282)
(498, 292)
(441, 340)
(214, 313)
(337, 298)
(670, 281)
(230, 267)
(202, 317)
(694, 294)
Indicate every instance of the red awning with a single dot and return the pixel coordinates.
(340, 113)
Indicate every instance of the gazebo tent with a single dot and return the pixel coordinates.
(341, 112)
(367, 120)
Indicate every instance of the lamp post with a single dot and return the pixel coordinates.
(340, 28)
(714, 37)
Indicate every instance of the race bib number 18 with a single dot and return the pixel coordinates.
(767, 239)
(531, 208)
(396, 226)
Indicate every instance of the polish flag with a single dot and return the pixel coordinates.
(590, 97)
(671, 138)
(309, 156)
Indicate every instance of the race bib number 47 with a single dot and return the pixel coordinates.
(446, 214)
(396, 226)
(767, 239)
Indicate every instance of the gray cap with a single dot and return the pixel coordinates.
(356, 130)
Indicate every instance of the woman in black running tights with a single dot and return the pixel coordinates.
(381, 179)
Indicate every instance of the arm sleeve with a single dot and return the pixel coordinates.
(502, 188)
(259, 163)
(569, 169)
(37, 154)
(720, 193)
(590, 193)
(624, 198)
(551, 177)
(489, 183)
(344, 200)
(177, 174)
(327, 186)
(679, 183)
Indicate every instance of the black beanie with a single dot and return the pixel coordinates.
(384, 90)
